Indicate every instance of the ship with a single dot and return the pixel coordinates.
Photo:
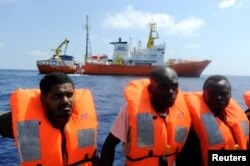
(59, 63)
(139, 61)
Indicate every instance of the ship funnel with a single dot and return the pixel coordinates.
(120, 39)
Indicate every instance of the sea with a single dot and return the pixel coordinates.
(108, 97)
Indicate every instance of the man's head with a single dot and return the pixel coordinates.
(217, 93)
(57, 94)
(163, 87)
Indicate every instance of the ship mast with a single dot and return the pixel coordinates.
(152, 37)
(88, 46)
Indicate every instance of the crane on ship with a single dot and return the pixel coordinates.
(58, 49)
(152, 35)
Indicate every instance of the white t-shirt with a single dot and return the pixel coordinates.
(120, 128)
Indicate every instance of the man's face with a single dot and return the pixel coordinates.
(217, 96)
(164, 91)
(59, 101)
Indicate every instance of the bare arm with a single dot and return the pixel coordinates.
(6, 125)
(108, 150)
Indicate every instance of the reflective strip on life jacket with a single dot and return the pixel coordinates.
(86, 137)
(29, 140)
(145, 130)
(212, 129)
(180, 134)
(245, 127)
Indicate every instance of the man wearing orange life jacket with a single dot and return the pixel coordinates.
(154, 124)
(217, 120)
(55, 125)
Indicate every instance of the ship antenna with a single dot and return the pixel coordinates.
(88, 45)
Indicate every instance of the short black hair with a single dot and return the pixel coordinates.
(51, 79)
(215, 78)
(159, 72)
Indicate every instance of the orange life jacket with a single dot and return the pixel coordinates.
(151, 136)
(212, 132)
(246, 96)
(39, 143)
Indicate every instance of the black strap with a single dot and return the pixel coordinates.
(163, 161)
(150, 154)
(86, 159)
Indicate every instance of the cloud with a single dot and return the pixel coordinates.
(191, 46)
(226, 4)
(131, 18)
(127, 19)
(186, 26)
(38, 53)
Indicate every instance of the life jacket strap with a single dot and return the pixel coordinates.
(93, 159)
(150, 154)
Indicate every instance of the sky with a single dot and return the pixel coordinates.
(217, 30)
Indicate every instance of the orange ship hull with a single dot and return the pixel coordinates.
(185, 69)
(63, 69)
(190, 68)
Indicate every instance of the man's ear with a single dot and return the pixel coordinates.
(43, 100)
(204, 95)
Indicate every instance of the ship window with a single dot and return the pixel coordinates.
(53, 63)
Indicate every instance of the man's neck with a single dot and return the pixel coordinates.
(159, 109)
(220, 114)
(161, 112)
(57, 122)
